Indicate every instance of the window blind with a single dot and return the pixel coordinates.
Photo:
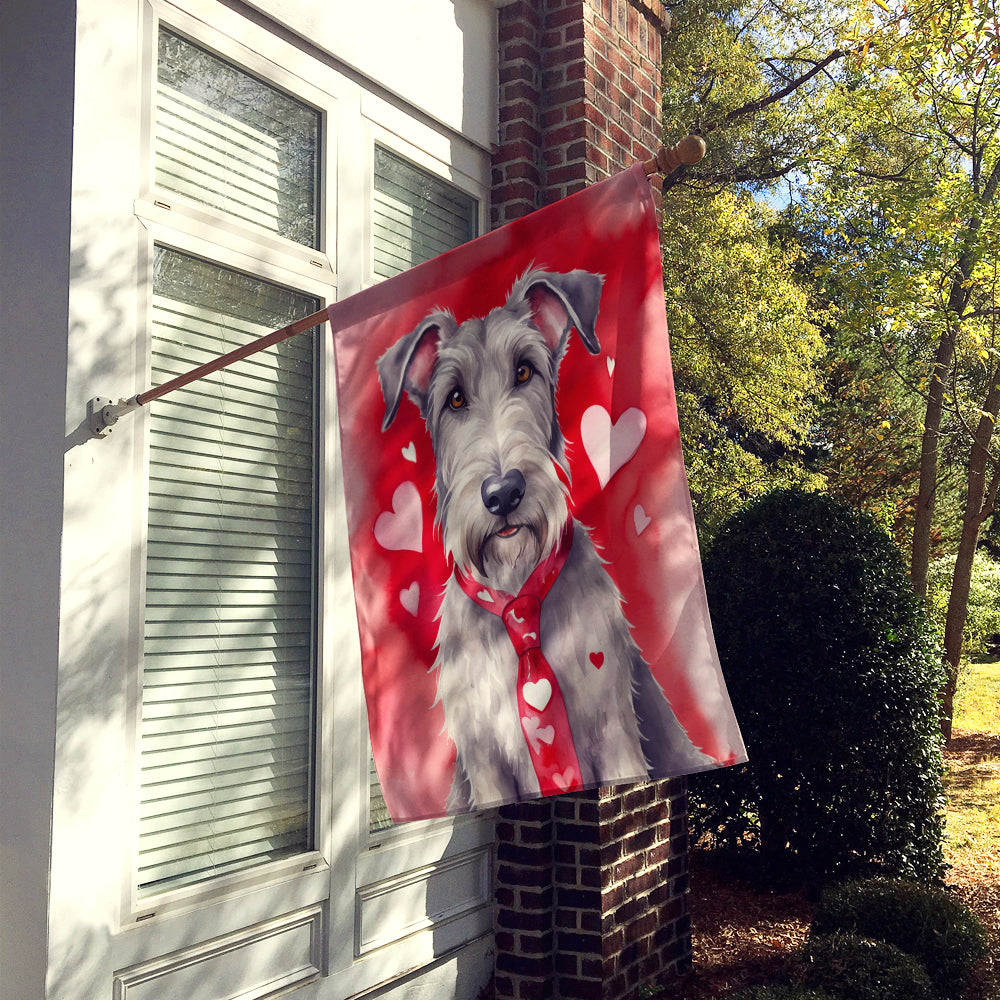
(416, 216)
(228, 140)
(228, 654)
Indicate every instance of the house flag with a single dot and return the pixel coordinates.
(528, 586)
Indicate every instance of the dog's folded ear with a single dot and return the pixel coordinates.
(560, 302)
(408, 364)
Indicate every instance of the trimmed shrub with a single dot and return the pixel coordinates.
(833, 672)
(925, 922)
(856, 968)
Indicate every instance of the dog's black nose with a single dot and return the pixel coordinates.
(502, 494)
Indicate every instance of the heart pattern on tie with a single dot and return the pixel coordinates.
(565, 779)
(537, 693)
(536, 733)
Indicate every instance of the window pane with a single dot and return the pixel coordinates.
(416, 217)
(228, 658)
(228, 140)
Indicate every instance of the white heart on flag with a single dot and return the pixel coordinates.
(537, 734)
(565, 779)
(410, 598)
(410, 452)
(537, 694)
(609, 446)
(641, 519)
(403, 526)
(611, 366)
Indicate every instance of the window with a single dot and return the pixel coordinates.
(274, 183)
(228, 679)
(209, 832)
(227, 140)
(416, 215)
(229, 646)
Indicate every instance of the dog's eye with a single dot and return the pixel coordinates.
(523, 373)
(456, 400)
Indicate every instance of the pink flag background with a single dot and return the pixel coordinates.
(627, 484)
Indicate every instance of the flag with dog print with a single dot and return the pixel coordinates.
(531, 610)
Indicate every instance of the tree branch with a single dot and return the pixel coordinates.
(754, 106)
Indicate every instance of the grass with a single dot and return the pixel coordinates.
(978, 697)
(972, 848)
(973, 783)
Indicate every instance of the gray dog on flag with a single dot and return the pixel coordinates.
(542, 685)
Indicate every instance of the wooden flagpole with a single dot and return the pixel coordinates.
(102, 413)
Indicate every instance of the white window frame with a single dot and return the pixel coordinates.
(180, 224)
(351, 875)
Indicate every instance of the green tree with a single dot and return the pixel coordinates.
(747, 77)
(747, 357)
(912, 191)
(879, 121)
(982, 620)
(869, 422)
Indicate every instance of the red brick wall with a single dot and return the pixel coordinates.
(591, 893)
(579, 96)
(591, 889)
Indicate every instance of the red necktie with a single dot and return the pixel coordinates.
(540, 704)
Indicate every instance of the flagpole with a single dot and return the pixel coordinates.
(103, 413)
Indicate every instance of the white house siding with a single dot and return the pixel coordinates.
(412, 913)
(430, 54)
(36, 116)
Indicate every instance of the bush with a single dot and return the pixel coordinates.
(782, 993)
(833, 672)
(856, 968)
(927, 923)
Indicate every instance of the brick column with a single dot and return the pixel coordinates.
(591, 889)
(621, 882)
(524, 902)
(579, 96)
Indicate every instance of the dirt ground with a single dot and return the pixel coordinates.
(742, 935)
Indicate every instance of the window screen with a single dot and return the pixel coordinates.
(228, 656)
(225, 139)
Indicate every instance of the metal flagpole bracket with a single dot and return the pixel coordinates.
(103, 413)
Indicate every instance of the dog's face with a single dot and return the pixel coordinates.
(486, 390)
